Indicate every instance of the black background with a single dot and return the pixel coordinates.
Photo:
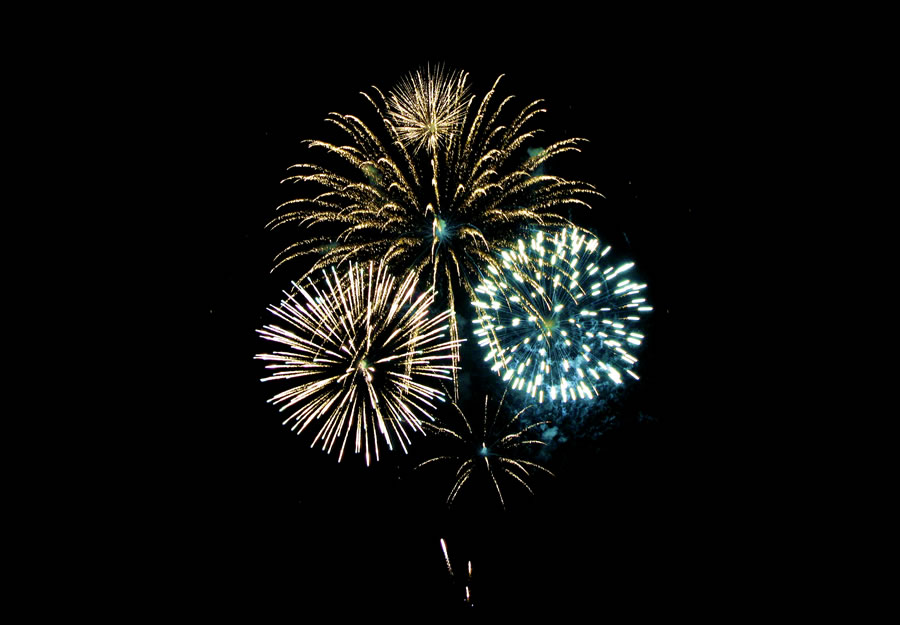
(652, 516)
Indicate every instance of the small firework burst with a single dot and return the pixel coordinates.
(428, 107)
(361, 352)
(495, 450)
(559, 319)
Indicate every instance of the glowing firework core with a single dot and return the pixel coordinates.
(441, 232)
(549, 324)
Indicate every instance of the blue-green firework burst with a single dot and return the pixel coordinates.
(559, 320)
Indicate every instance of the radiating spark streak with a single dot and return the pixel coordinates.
(542, 332)
(359, 359)
(432, 183)
(495, 450)
(446, 557)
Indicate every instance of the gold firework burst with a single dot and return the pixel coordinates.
(428, 107)
(496, 451)
(361, 352)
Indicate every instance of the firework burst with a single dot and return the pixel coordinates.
(361, 353)
(427, 108)
(558, 319)
(495, 450)
(439, 213)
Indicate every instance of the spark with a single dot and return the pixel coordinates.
(361, 354)
(561, 349)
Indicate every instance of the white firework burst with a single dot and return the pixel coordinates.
(361, 352)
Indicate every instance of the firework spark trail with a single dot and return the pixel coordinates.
(446, 557)
(439, 212)
(361, 350)
(468, 582)
(559, 319)
(496, 450)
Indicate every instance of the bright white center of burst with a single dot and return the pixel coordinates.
(566, 293)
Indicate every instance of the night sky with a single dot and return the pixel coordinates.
(636, 516)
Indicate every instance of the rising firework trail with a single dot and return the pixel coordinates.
(468, 579)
